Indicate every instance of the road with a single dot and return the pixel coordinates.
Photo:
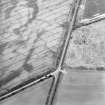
(78, 87)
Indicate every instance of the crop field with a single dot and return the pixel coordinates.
(32, 38)
(31, 34)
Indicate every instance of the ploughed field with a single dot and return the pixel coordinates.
(31, 34)
(78, 87)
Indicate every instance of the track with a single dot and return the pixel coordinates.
(59, 74)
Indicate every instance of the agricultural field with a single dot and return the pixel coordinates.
(32, 34)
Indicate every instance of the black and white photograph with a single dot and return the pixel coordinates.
(52, 52)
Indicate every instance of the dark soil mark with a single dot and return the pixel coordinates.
(28, 67)
(32, 4)
(2, 47)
